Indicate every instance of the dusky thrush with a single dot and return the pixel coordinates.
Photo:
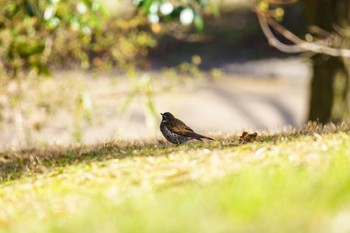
(177, 132)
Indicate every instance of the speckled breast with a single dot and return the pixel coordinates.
(172, 137)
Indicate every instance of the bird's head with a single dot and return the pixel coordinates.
(167, 116)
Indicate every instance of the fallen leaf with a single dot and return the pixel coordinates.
(247, 137)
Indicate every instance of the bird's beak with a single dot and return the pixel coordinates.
(161, 114)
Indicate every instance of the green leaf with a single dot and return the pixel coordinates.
(151, 107)
(176, 12)
(128, 101)
(147, 4)
(26, 50)
(202, 3)
(198, 21)
(138, 3)
(215, 8)
(29, 8)
(41, 68)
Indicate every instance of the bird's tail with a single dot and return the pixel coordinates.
(199, 137)
(207, 138)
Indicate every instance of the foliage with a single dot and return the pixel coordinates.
(189, 12)
(36, 35)
(220, 186)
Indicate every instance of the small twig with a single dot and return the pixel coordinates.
(281, 1)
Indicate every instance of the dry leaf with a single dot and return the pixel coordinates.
(247, 137)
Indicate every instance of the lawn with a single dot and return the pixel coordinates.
(297, 181)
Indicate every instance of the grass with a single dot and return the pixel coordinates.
(297, 181)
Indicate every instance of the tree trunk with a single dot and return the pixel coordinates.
(329, 97)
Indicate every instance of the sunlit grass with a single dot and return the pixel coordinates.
(297, 181)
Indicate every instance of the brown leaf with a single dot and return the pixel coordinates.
(247, 137)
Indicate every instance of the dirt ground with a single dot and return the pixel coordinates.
(261, 95)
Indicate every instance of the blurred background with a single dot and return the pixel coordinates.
(90, 71)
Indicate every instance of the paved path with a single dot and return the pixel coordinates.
(243, 99)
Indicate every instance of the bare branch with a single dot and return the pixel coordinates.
(281, 1)
(299, 45)
(273, 41)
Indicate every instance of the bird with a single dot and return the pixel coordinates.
(177, 132)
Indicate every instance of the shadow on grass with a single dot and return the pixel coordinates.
(15, 164)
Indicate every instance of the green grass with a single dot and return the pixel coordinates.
(293, 182)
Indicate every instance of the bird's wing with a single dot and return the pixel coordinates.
(178, 127)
